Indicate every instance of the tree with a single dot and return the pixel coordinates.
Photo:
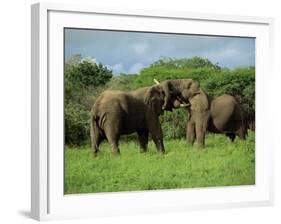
(185, 63)
(81, 76)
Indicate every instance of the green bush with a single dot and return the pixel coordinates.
(76, 124)
(174, 124)
(84, 80)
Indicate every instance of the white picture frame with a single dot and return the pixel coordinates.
(48, 200)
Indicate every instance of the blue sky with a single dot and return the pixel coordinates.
(129, 52)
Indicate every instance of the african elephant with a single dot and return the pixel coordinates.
(178, 91)
(118, 113)
(219, 115)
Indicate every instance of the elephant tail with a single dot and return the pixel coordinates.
(243, 130)
(95, 128)
(243, 122)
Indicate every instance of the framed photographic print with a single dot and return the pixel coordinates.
(148, 111)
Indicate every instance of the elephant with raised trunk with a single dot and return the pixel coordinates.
(178, 91)
(117, 113)
(222, 114)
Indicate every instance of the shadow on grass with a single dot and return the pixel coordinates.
(24, 213)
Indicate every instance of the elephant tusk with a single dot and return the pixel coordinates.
(184, 105)
(156, 81)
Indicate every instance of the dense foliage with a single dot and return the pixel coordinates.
(85, 80)
(82, 79)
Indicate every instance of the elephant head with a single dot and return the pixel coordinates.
(178, 91)
(189, 89)
(154, 98)
(199, 102)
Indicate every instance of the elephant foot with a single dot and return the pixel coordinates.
(95, 153)
(231, 136)
(200, 147)
(161, 152)
(116, 153)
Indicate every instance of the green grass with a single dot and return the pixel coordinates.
(221, 163)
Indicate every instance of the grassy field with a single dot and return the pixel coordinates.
(221, 163)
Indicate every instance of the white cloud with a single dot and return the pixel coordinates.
(140, 48)
(90, 60)
(135, 68)
(129, 48)
(228, 52)
(117, 68)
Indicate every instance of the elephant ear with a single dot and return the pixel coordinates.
(154, 98)
(199, 102)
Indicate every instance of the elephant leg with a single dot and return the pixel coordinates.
(143, 139)
(200, 134)
(201, 122)
(95, 144)
(155, 130)
(113, 141)
(231, 136)
(113, 136)
(242, 133)
(190, 132)
(159, 144)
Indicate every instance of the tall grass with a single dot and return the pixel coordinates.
(221, 163)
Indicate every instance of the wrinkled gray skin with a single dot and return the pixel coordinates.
(222, 114)
(117, 113)
(219, 115)
(178, 91)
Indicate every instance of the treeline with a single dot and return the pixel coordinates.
(85, 80)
